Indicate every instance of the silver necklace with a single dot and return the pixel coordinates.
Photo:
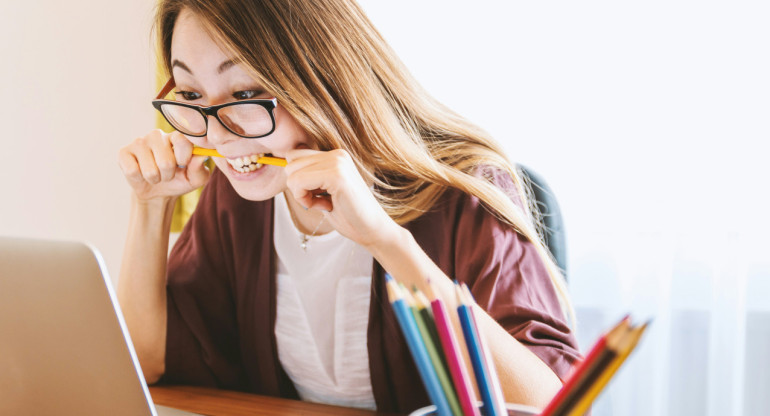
(304, 238)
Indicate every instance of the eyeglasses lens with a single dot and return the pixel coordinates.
(247, 119)
(184, 119)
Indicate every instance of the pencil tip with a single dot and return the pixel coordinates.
(393, 292)
(429, 290)
(468, 295)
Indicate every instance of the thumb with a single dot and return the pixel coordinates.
(197, 171)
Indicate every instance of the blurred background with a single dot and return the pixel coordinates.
(649, 121)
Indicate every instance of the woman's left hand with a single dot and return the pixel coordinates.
(350, 207)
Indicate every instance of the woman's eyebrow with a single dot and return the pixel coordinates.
(178, 63)
(224, 66)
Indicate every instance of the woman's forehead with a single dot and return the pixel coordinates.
(195, 49)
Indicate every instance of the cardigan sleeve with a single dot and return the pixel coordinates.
(509, 280)
(202, 336)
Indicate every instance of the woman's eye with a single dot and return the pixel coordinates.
(246, 95)
(188, 95)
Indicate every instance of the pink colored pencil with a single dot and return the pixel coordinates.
(452, 352)
(451, 346)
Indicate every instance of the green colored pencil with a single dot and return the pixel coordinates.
(441, 369)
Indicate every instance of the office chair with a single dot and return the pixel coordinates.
(553, 232)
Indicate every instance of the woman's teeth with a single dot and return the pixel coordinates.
(246, 164)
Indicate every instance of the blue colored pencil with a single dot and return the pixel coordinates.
(494, 404)
(417, 348)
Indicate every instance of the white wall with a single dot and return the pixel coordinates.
(76, 80)
(652, 115)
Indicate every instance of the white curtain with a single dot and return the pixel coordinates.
(707, 351)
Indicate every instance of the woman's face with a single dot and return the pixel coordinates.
(205, 75)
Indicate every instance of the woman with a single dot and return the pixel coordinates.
(276, 284)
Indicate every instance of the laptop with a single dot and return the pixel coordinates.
(64, 347)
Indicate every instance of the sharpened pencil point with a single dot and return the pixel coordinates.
(430, 292)
(459, 294)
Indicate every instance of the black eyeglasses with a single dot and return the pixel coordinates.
(250, 119)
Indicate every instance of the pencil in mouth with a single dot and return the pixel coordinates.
(261, 159)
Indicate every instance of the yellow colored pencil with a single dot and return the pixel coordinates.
(628, 343)
(265, 160)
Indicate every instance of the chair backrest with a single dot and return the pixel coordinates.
(553, 232)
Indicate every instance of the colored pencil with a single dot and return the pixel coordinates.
(417, 348)
(460, 376)
(423, 307)
(427, 328)
(493, 406)
(606, 356)
(568, 394)
(497, 391)
(265, 160)
(623, 349)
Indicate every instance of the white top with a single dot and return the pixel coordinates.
(323, 313)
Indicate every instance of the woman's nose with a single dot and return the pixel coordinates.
(217, 133)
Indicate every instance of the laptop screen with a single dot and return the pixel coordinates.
(64, 348)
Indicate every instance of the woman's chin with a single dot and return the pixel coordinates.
(255, 194)
(259, 185)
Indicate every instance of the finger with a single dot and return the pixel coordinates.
(295, 154)
(322, 202)
(147, 166)
(302, 196)
(130, 166)
(312, 166)
(309, 178)
(306, 196)
(182, 148)
(197, 172)
(164, 157)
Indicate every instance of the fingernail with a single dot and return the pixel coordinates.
(181, 166)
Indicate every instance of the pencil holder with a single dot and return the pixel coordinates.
(513, 410)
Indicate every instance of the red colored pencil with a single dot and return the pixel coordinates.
(580, 374)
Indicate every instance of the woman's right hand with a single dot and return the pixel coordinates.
(161, 165)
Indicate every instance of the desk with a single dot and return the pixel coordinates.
(229, 403)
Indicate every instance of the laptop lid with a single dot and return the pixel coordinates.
(64, 347)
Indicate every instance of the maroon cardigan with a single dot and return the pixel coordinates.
(222, 296)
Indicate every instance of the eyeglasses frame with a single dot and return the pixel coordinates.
(268, 104)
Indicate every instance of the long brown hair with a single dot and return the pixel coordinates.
(335, 74)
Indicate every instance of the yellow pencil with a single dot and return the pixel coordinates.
(265, 160)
